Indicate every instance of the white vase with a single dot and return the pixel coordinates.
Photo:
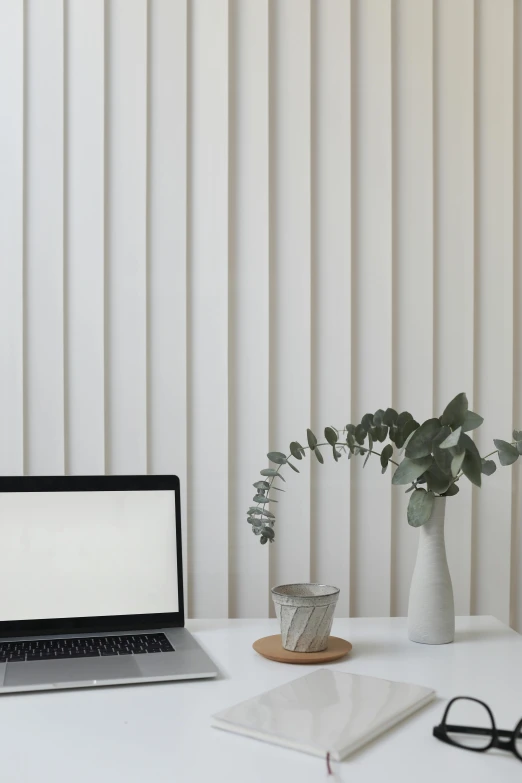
(431, 611)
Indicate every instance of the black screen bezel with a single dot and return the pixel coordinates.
(109, 623)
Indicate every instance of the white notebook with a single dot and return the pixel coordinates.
(326, 711)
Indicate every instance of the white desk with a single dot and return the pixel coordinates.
(161, 733)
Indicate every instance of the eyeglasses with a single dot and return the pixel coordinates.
(469, 723)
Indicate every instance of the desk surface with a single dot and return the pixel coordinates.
(161, 733)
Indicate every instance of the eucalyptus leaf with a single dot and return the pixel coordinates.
(295, 451)
(262, 512)
(385, 456)
(442, 457)
(378, 417)
(517, 435)
(269, 533)
(437, 480)
(277, 456)
(393, 432)
(350, 428)
(290, 465)
(453, 489)
(452, 440)
(261, 485)
(402, 418)
(263, 499)
(467, 443)
(456, 463)
(271, 472)
(263, 539)
(390, 417)
(455, 412)
(472, 463)
(382, 433)
(331, 435)
(312, 440)
(471, 421)
(488, 467)
(507, 454)
(420, 507)
(319, 456)
(360, 434)
(409, 428)
(410, 469)
(367, 421)
(407, 431)
(367, 458)
(519, 446)
(422, 439)
(336, 454)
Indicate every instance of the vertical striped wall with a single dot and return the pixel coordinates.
(223, 221)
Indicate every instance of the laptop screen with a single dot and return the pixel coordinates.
(87, 554)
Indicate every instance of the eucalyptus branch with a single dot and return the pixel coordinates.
(438, 453)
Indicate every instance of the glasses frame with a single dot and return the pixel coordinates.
(497, 735)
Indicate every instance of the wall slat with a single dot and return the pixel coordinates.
(44, 238)
(167, 210)
(516, 539)
(85, 236)
(372, 294)
(331, 288)
(11, 236)
(412, 74)
(454, 251)
(249, 295)
(290, 329)
(126, 361)
(208, 309)
(494, 320)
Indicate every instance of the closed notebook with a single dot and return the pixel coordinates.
(326, 711)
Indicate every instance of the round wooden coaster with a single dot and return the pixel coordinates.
(270, 647)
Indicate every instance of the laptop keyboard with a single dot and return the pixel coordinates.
(84, 647)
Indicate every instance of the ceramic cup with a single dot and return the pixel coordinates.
(305, 612)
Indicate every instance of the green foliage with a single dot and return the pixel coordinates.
(421, 442)
(420, 507)
(507, 453)
(312, 440)
(276, 456)
(455, 412)
(331, 435)
(411, 469)
(488, 467)
(437, 453)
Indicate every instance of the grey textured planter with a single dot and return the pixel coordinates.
(305, 612)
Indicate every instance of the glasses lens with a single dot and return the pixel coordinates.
(469, 725)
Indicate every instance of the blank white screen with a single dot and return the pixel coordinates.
(87, 554)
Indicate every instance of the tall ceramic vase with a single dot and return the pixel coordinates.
(431, 611)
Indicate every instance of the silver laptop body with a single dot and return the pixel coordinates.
(91, 583)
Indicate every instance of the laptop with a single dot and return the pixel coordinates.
(91, 583)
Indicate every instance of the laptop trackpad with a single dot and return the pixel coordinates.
(61, 672)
